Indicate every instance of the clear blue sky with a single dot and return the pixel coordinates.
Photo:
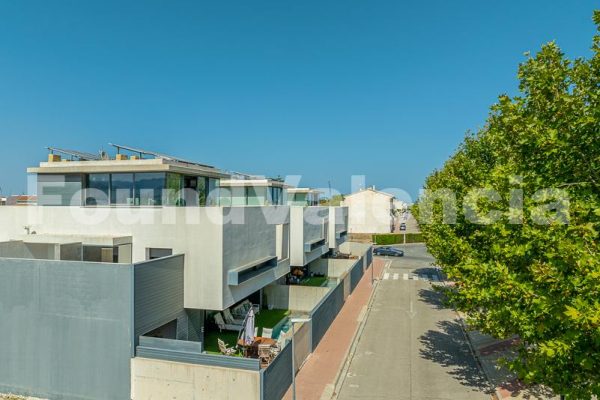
(325, 89)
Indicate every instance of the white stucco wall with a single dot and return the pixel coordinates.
(307, 224)
(211, 242)
(338, 220)
(369, 212)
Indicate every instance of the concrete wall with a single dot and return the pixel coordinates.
(245, 243)
(308, 224)
(338, 220)
(71, 252)
(66, 329)
(201, 233)
(332, 267)
(369, 212)
(157, 379)
(302, 343)
(294, 297)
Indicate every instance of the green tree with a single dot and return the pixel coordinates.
(522, 270)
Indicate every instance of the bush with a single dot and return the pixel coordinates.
(397, 238)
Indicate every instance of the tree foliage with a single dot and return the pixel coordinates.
(528, 274)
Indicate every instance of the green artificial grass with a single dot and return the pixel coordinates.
(211, 345)
(264, 319)
(314, 281)
(270, 318)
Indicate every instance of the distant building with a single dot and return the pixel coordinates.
(20, 200)
(370, 211)
(2, 201)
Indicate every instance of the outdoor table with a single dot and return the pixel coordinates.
(251, 350)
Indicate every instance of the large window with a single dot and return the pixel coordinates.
(98, 190)
(225, 196)
(173, 187)
(149, 188)
(256, 196)
(59, 190)
(275, 195)
(212, 192)
(121, 192)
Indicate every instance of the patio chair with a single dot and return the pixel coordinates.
(264, 355)
(225, 327)
(240, 311)
(247, 304)
(227, 351)
(230, 319)
(267, 333)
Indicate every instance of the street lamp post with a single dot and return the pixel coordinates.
(295, 321)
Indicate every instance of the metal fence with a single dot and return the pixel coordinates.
(356, 273)
(325, 312)
(277, 377)
(190, 352)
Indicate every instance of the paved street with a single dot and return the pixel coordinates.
(412, 347)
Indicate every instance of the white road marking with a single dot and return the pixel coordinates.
(386, 276)
(405, 277)
(415, 277)
(396, 276)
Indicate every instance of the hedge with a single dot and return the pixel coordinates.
(395, 238)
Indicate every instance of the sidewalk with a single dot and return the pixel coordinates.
(488, 351)
(316, 379)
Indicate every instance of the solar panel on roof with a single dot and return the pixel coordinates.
(159, 155)
(79, 154)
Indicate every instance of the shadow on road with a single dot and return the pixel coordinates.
(433, 297)
(446, 346)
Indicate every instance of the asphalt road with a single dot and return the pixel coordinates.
(412, 346)
(411, 224)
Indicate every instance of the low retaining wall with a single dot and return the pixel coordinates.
(160, 379)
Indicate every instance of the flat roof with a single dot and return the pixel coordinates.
(303, 190)
(115, 166)
(252, 183)
(99, 240)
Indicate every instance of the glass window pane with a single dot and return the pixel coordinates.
(238, 196)
(59, 190)
(98, 190)
(202, 191)
(257, 196)
(172, 192)
(212, 192)
(149, 188)
(122, 189)
(225, 196)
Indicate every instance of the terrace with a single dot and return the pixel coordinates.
(274, 319)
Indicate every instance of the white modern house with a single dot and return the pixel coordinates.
(108, 286)
(370, 211)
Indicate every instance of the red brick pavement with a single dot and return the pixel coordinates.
(323, 365)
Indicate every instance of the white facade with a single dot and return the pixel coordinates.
(370, 211)
(215, 240)
(338, 232)
(309, 234)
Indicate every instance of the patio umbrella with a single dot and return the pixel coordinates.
(249, 328)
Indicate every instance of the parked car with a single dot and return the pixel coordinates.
(403, 226)
(388, 251)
